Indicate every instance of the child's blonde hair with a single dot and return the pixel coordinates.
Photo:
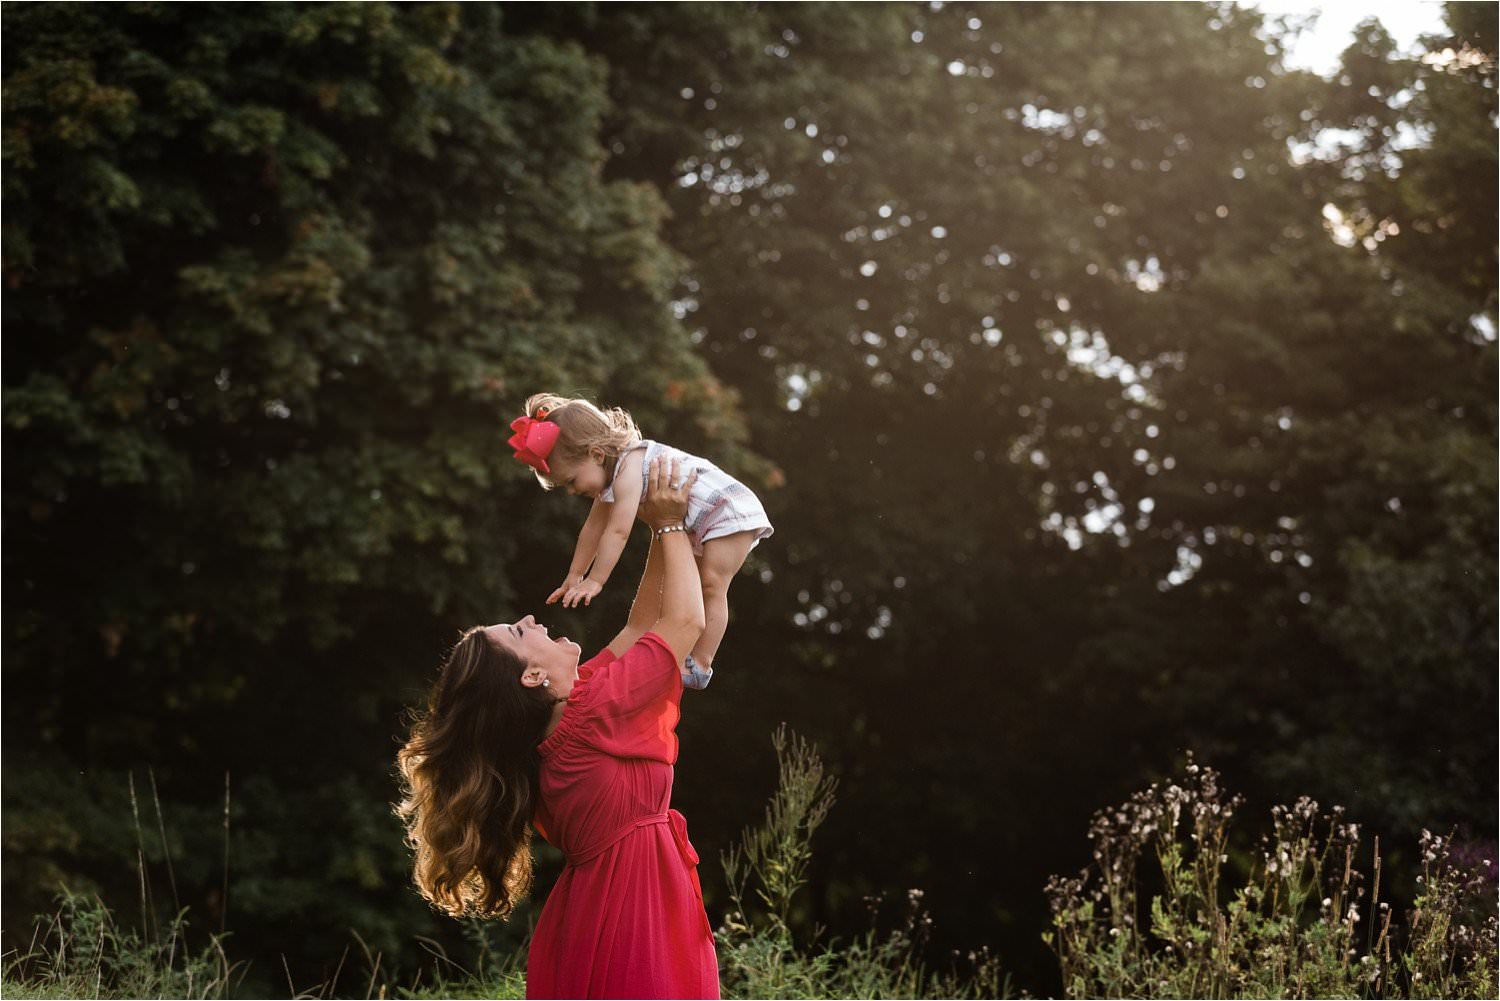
(584, 426)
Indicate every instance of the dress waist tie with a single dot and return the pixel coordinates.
(677, 824)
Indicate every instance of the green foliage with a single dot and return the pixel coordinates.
(495, 975)
(759, 957)
(81, 952)
(313, 398)
(777, 852)
(758, 954)
(1096, 442)
(1290, 930)
(1090, 431)
(276, 280)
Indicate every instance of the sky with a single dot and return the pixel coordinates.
(1318, 49)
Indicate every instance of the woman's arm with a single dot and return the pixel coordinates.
(646, 608)
(681, 620)
(588, 545)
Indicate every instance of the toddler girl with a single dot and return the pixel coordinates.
(575, 446)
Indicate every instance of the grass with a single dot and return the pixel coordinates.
(1296, 926)
(82, 952)
(760, 957)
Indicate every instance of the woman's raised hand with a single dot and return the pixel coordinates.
(665, 504)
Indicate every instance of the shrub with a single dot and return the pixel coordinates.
(1291, 930)
(759, 956)
(83, 953)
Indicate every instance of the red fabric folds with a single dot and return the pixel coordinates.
(626, 918)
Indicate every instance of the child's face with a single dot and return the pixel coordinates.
(581, 479)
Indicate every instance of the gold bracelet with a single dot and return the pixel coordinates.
(670, 528)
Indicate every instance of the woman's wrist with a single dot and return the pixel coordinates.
(666, 527)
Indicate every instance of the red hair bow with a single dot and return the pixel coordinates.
(533, 441)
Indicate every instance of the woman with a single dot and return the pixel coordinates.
(518, 732)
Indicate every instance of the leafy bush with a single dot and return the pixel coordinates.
(83, 953)
(1292, 930)
(759, 956)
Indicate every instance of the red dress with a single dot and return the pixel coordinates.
(626, 918)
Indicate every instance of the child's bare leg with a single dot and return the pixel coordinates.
(715, 615)
(721, 560)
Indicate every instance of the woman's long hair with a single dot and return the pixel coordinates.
(469, 781)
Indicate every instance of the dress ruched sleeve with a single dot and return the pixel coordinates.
(587, 668)
(631, 705)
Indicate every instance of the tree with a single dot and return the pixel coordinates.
(1082, 412)
(1082, 416)
(277, 278)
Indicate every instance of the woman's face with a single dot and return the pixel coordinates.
(546, 659)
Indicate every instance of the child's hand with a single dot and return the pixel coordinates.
(562, 589)
(569, 583)
(583, 591)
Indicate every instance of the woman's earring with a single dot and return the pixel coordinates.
(546, 682)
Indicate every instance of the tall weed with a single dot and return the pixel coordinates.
(83, 953)
(759, 956)
(1294, 929)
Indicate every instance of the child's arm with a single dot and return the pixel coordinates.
(588, 544)
(616, 531)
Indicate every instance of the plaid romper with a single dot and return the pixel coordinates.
(719, 504)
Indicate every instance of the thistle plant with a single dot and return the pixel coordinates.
(1293, 929)
(1453, 925)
